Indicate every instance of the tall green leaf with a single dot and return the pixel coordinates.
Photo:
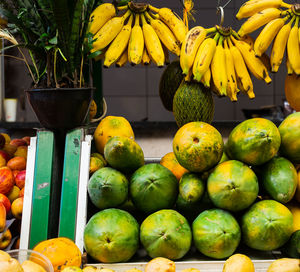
(75, 34)
(63, 22)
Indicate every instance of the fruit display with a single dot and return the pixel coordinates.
(13, 156)
(281, 26)
(141, 34)
(219, 198)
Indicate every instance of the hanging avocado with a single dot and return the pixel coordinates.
(169, 83)
(193, 102)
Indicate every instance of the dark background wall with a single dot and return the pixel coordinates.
(133, 91)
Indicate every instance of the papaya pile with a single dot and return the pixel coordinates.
(205, 194)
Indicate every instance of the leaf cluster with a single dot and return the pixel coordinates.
(54, 33)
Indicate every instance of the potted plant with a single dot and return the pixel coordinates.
(54, 33)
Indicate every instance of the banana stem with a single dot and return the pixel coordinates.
(211, 30)
(284, 13)
(220, 41)
(292, 20)
(122, 8)
(285, 5)
(130, 20)
(154, 9)
(147, 15)
(236, 35)
(144, 22)
(154, 16)
(297, 21)
(137, 20)
(217, 36)
(125, 16)
(229, 42)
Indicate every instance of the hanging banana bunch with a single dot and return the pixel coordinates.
(221, 60)
(139, 34)
(281, 27)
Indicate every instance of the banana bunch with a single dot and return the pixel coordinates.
(141, 34)
(221, 60)
(281, 27)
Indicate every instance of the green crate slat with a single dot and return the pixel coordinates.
(67, 219)
(42, 187)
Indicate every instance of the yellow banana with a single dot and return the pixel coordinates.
(108, 32)
(248, 39)
(279, 46)
(293, 48)
(123, 59)
(172, 21)
(232, 88)
(254, 64)
(190, 46)
(164, 34)
(119, 45)
(243, 78)
(153, 45)
(218, 69)
(101, 15)
(136, 43)
(205, 80)
(204, 57)
(267, 35)
(146, 59)
(252, 7)
(259, 19)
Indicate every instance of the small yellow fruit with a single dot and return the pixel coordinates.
(285, 265)
(90, 269)
(4, 256)
(160, 264)
(238, 263)
(95, 164)
(93, 109)
(11, 265)
(13, 194)
(29, 266)
(109, 127)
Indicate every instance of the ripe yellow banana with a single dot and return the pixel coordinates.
(172, 21)
(101, 15)
(293, 48)
(136, 43)
(204, 57)
(165, 34)
(122, 60)
(267, 35)
(279, 46)
(153, 45)
(146, 59)
(248, 39)
(252, 7)
(232, 88)
(205, 80)
(218, 69)
(259, 19)
(119, 45)
(190, 46)
(254, 64)
(108, 32)
(243, 78)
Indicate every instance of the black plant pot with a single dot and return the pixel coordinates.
(61, 108)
